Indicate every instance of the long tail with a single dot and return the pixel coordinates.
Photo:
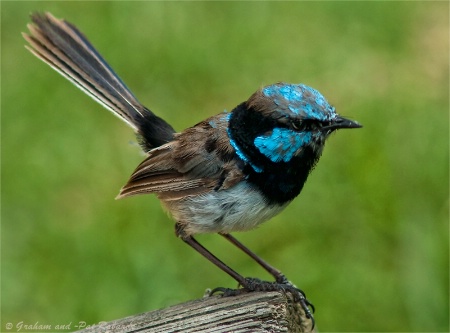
(62, 46)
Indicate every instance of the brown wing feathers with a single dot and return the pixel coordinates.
(157, 174)
(183, 167)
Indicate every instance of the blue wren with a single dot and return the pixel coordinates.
(230, 172)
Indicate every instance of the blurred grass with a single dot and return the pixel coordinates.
(368, 237)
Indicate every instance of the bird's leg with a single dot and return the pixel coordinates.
(192, 242)
(279, 277)
(248, 284)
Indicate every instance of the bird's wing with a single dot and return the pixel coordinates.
(198, 160)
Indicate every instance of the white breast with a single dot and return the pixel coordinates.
(236, 209)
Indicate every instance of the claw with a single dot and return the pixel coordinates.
(226, 292)
(254, 284)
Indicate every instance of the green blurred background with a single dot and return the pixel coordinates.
(368, 237)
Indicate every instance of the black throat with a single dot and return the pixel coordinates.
(279, 182)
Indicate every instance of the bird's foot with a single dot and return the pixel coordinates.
(283, 285)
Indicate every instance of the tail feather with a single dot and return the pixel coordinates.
(62, 46)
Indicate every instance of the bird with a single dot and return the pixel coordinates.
(228, 173)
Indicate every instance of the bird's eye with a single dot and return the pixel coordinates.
(305, 125)
(296, 124)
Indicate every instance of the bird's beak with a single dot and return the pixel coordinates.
(341, 122)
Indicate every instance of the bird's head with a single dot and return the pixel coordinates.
(282, 122)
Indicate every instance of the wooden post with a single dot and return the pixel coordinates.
(251, 312)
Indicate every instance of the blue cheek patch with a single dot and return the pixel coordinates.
(281, 144)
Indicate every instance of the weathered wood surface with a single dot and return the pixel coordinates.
(252, 312)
